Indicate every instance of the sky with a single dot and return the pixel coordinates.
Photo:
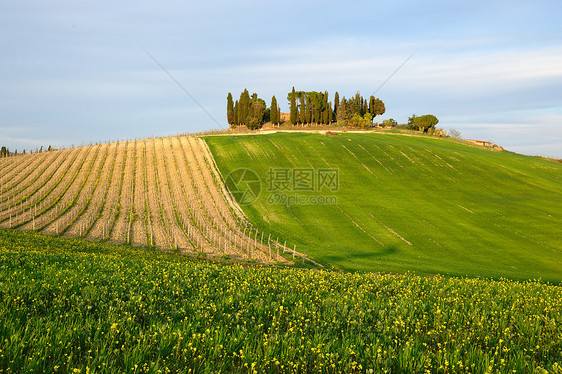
(75, 72)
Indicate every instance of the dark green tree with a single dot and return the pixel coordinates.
(293, 105)
(307, 109)
(230, 109)
(3, 152)
(376, 107)
(244, 107)
(256, 114)
(326, 108)
(302, 107)
(236, 120)
(342, 111)
(336, 105)
(372, 108)
(329, 114)
(274, 114)
(411, 120)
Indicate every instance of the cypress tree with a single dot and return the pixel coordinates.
(244, 107)
(274, 115)
(302, 111)
(336, 106)
(293, 101)
(229, 109)
(372, 107)
(342, 110)
(307, 110)
(236, 120)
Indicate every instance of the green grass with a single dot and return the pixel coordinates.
(72, 306)
(409, 203)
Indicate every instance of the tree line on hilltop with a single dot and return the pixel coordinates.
(5, 151)
(306, 107)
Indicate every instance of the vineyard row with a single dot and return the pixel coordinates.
(164, 193)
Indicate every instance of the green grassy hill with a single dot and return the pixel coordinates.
(404, 203)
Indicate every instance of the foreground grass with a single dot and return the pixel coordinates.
(406, 203)
(72, 306)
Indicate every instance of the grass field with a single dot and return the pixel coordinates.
(406, 203)
(72, 306)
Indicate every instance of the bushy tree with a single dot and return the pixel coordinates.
(256, 113)
(389, 122)
(411, 120)
(359, 121)
(425, 122)
(376, 107)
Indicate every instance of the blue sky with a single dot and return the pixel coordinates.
(72, 72)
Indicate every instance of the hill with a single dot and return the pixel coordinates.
(159, 193)
(402, 203)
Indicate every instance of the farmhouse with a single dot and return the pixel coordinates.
(284, 117)
(480, 142)
(485, 143)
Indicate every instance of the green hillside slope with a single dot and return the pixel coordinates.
(402, 203)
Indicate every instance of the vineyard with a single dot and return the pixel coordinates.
(161, 192)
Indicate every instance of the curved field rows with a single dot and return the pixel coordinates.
(162, 193)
